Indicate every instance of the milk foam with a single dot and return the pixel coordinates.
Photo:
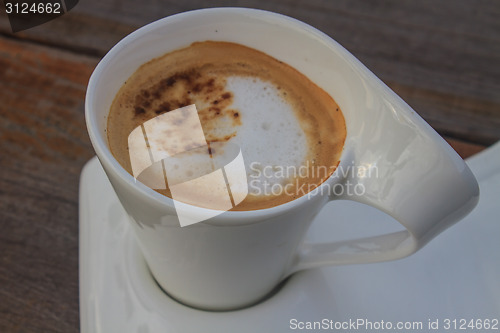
(269, 138)
(270, 135)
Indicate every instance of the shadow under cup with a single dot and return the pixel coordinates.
(237, 258)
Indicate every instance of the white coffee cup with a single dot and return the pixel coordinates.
(235, 259)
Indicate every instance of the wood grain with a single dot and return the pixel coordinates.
(43, 147)
(463, 148)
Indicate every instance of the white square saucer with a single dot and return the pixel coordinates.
(456, 276)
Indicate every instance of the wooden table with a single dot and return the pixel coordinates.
(442, 57)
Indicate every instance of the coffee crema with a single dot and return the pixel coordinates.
(290, 131)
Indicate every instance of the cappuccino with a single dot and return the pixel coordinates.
(196, 109)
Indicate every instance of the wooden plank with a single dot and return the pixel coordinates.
(44, 144)
(464, 118)
(444, 60)
(463, 148)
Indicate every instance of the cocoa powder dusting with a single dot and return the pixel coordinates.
(182, 89)
(179, 89)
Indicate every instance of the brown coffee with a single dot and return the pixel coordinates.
(290, 132)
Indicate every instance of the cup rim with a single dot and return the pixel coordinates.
(105, 156)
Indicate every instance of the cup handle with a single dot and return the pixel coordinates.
(420, 181)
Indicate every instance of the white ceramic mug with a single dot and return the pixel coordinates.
(235, 259)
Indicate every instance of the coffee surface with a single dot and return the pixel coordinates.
(290, 132)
